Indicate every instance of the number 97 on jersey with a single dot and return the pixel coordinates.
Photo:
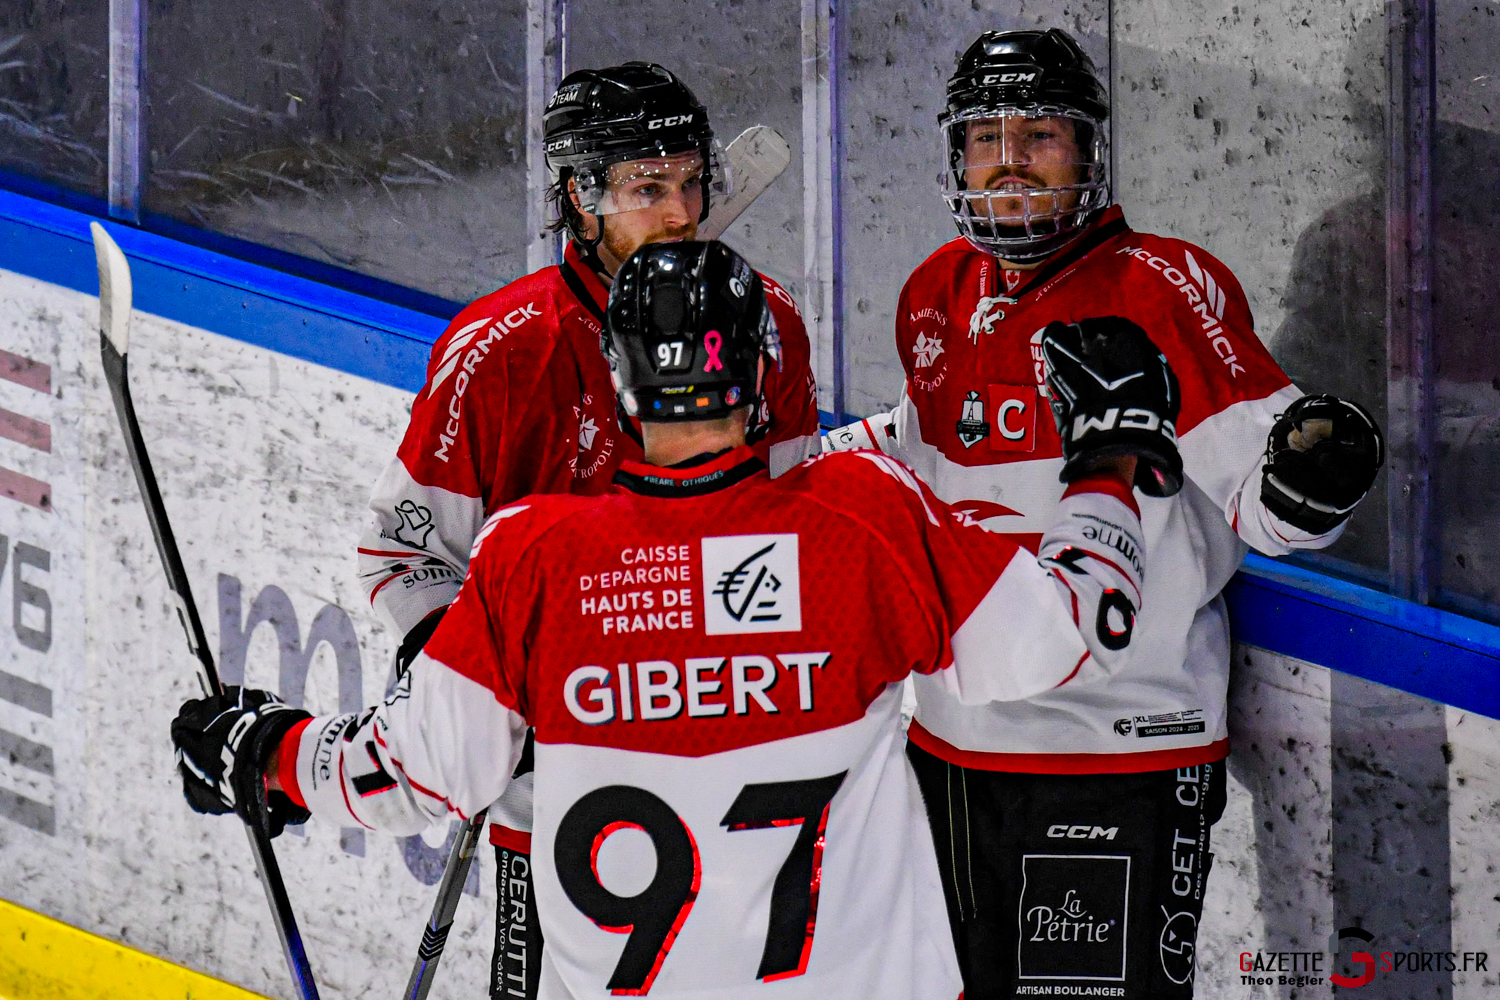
(653, 917)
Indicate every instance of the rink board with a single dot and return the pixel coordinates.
(270, 405)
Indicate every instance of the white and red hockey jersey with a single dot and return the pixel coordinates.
(518, 400)
(973, 424)
(713, 661)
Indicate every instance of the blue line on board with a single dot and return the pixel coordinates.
(285, 313)
(1274, 605)
(96, 207)
(1356, 630)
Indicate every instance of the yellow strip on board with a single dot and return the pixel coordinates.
(45, 959)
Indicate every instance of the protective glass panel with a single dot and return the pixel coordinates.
(1466, 290)
(1276, 166)
(897, 60)
(54, 61)
(743, 61)
(385, 138)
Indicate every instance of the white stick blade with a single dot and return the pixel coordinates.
(756, 158)
(114, 288)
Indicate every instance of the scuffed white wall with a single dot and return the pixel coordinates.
(265, 463)
(1473, 819)
(1271, 884)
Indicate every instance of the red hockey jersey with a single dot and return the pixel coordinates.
(712, 661)
(518, 400)
(973, 424)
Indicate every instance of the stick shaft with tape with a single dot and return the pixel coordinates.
(114, 343)
(435, 935)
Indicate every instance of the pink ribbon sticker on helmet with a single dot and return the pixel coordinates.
(714, 342)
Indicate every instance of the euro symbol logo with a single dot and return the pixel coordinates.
(735, 584)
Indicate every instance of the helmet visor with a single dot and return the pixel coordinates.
(632, 185)
(1021, 167)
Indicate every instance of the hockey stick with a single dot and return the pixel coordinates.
(756, 158)
(435, 935)
(114, 341)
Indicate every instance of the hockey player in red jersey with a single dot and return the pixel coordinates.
(712, 662)
(518, 399)
(1083, 815)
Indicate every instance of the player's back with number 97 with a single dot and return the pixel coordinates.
(712, 663)
(722, 796)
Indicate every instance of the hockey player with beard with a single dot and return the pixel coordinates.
(518, 398)
(1073, 826)
(712, 661)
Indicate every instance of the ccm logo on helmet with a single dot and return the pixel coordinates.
(669, 121)
(1024, 77)
(566, 142)
(1081, 831)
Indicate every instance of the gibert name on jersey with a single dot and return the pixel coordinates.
(702, 687)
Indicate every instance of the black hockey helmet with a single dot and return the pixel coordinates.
(686, 326)
(637, 111)
(1027, 67)
(1026, 74)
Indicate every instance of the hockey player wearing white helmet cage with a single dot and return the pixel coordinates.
(518, 398)
(1027, 151)
(1073, 826)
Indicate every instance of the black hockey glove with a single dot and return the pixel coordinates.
(1321, 458)
(1113, 394)
(223, 746)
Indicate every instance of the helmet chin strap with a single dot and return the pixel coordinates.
(588, 246)
(589, 250)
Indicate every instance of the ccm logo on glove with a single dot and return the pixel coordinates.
(1113, 395)
(1130, 418)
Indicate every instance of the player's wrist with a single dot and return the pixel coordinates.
(1115, 482)
(281, 766)
(1122, 466)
